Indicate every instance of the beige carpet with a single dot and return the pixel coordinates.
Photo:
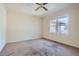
(38, 47)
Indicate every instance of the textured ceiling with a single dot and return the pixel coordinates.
(29, 8)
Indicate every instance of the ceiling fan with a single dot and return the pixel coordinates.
(41, 5)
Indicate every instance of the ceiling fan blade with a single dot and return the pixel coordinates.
(45, 3)
(38, 3)
(37, 8)
(45, 8)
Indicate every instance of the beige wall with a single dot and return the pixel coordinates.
(73, 37)
(2, 26)
(22, 27)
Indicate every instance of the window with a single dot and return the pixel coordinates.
(59, 25)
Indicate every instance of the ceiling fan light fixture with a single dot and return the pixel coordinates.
(41, 6)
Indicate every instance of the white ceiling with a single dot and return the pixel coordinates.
(29, 8)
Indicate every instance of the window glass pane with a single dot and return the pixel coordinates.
(63, 19)
(52, 28)
(63, 24)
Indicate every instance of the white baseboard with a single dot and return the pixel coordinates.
(22, 40)
(62, 42)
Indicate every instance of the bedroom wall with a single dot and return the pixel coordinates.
(22, 27)
(2, 26)
(73, 37)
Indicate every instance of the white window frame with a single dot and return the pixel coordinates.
(57, 25)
